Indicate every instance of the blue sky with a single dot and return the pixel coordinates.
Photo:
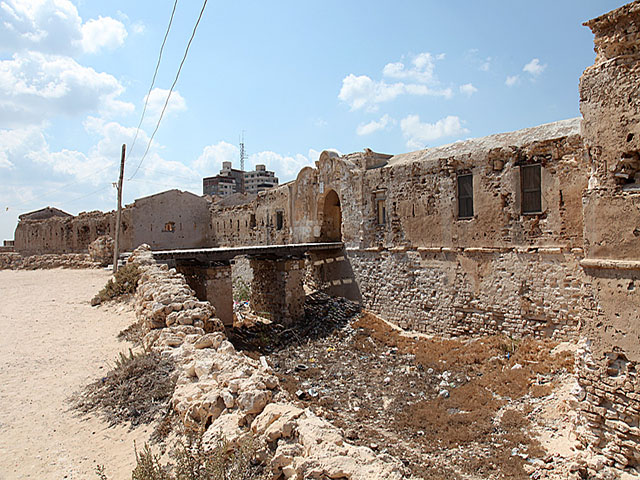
(297, 77)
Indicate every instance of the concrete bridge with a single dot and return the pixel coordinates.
(278, 274)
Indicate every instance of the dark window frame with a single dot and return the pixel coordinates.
(279, 219)
(381, 211)
(465, 196)
(531, 189)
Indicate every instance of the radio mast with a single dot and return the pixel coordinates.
(243, 153)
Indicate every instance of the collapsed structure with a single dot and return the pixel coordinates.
(535, 232)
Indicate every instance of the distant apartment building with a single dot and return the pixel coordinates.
(231, 180)
(259, 180)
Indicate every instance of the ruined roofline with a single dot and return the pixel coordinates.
(52, 211)
(165, 192)
(609, 19)
(518, 138)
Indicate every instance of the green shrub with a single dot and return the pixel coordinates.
(124, 282)
(241, 291)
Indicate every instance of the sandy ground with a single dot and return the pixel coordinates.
(52, 344)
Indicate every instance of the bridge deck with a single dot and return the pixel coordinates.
(222, 254)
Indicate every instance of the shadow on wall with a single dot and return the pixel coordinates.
(331, 218)
(332, 274)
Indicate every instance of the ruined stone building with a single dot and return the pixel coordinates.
(534, 232)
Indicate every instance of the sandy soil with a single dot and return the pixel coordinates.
(53, 343)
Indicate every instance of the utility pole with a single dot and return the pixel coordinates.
(116, 246)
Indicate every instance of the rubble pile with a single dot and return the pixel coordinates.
(15, 261)
(235, 396)
(163, 298)
(101, 250)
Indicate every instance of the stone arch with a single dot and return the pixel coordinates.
(330, 216)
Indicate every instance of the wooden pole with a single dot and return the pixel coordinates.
(116, 246)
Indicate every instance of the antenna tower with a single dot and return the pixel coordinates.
(243, 153)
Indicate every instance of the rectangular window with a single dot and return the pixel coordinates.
(530, 176)
(382, 211)
(465, 196)
(279, 220)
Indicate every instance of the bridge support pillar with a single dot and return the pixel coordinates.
(277, 288)
(212, 283)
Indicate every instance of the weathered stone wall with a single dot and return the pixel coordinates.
(608, 368)
(423, 267)
(254, 221)
(15, 261)
(69, 234)
(171, 219)
(473, 291)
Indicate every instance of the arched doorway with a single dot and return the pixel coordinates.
(331, 230)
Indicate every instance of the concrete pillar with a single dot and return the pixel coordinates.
(220, 292)
(277, 289)
(213, 284)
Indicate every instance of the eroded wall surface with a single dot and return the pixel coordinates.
(172, 219)
(608, 367)
(69, 234)
(569, 269)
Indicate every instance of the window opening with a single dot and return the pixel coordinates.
(465, 196)
(530, 177)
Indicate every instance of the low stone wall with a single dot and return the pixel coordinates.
(609, 407)
(473, 291)
(237, 397)
(15, 261)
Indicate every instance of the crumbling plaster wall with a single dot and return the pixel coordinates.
(608, 364)
(69, 234)
(498, 272)
(610, 103)
(254, 222)
(171, 219)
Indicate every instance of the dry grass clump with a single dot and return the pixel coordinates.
(136, 390)
(134, 333)
(124, 282)
(192, 461)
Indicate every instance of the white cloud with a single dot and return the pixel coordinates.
(210, 160)
(16, 143)
(421, 71)
(35, 86)
(512, 80)
(314, 155)
(157, 99)
(374, 126)
(418, 134)
(534, 67)
(363, 92)
(4, 161)
(105, 32)
(138, 28)
(285, 166)
(54, 26)
(320, 122)
(468, 89)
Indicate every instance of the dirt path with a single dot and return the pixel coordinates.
(52, 344)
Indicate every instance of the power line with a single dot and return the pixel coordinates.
(155, 73)
(59, 189)
(164, 108)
